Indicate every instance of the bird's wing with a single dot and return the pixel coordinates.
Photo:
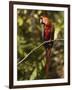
(52, 32)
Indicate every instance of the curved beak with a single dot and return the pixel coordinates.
(41, 21)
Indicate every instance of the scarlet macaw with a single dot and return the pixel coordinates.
(48, 34)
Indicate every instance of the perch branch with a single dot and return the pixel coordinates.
(37, 48)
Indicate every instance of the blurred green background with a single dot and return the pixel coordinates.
(29, 36)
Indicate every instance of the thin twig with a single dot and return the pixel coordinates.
(37, 48)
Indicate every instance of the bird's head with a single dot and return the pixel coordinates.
(44, 20)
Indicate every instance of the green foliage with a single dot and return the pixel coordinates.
(29, 36)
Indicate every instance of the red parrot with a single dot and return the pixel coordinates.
(48, 34)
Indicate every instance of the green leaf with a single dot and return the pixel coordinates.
(20, 21)
(34, 74)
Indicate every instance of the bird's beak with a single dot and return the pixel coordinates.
(41, 21)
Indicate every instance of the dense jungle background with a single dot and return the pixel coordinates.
(29, 36)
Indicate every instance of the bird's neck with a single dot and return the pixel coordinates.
(48, 27)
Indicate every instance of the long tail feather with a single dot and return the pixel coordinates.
(48, 54)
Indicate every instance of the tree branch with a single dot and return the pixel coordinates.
(36, 49)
